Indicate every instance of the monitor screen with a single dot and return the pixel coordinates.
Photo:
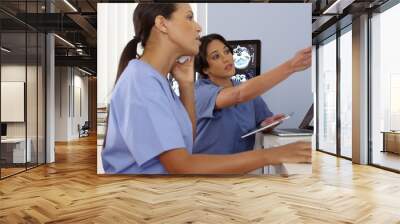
(3, 129)
(308, 120)
(247, 58)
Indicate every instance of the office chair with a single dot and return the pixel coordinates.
(84, 130)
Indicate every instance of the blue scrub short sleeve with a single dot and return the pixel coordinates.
(150, 127)
(206, 96)
(261, 109)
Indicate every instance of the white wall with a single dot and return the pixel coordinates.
(61, 103)
(114, 30)
(283, 29)
(67, 115)
(80, 83)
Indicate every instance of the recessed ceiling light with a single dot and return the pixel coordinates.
(84, 71)
(70, 5)
(5, 50)
(64, 40)
(337, 7)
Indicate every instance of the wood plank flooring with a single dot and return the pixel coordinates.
(387, 159)
(70, 191)
(10, 171)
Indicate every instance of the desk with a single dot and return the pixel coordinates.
(268, 141)
(13, 150)
(391, 141)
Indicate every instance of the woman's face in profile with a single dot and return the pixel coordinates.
(220, 60)
(184, 31)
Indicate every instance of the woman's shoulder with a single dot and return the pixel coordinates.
(138, 70)
(138, 79)
(202, 83)
(140, 74)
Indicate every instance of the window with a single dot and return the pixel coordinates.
(385, 86)
(346, 92)
(327, 95)
(22, 68)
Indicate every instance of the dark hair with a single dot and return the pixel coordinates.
(143, 20)
(201, 58)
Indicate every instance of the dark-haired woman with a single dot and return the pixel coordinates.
(150, 129)
(227, 109)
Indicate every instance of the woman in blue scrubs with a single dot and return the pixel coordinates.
(227, 109)
(150, 128)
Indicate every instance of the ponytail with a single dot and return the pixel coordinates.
(129, 53)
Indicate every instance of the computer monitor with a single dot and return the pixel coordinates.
(3, 129)
(308, 120)
(247, 58)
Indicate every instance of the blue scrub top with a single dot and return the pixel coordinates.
(146, 118)
(220, 131)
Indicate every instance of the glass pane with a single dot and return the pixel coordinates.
(13, 86)
(23, 88)
(32, 84)
(41, 98)
(346, 94)
(386, 89)
(327, 96)
(17, 8)
(31, 98)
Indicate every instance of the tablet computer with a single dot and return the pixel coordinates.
(266, 126)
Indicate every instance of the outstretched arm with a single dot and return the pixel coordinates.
(179, 161)
(256, 86)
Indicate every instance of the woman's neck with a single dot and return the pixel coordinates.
(223, 82)
(161, 59)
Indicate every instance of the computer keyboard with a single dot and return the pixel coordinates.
(294, 130)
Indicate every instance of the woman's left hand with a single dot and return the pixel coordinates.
(184, 72)
(270, 120)
(301, 61)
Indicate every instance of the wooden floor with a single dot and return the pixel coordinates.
(10, 171)
(387, 159)
(69, 191)
(5, 172)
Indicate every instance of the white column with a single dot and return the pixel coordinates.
(50, 99)
(360, 90)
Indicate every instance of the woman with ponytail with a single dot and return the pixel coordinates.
(150, 129)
